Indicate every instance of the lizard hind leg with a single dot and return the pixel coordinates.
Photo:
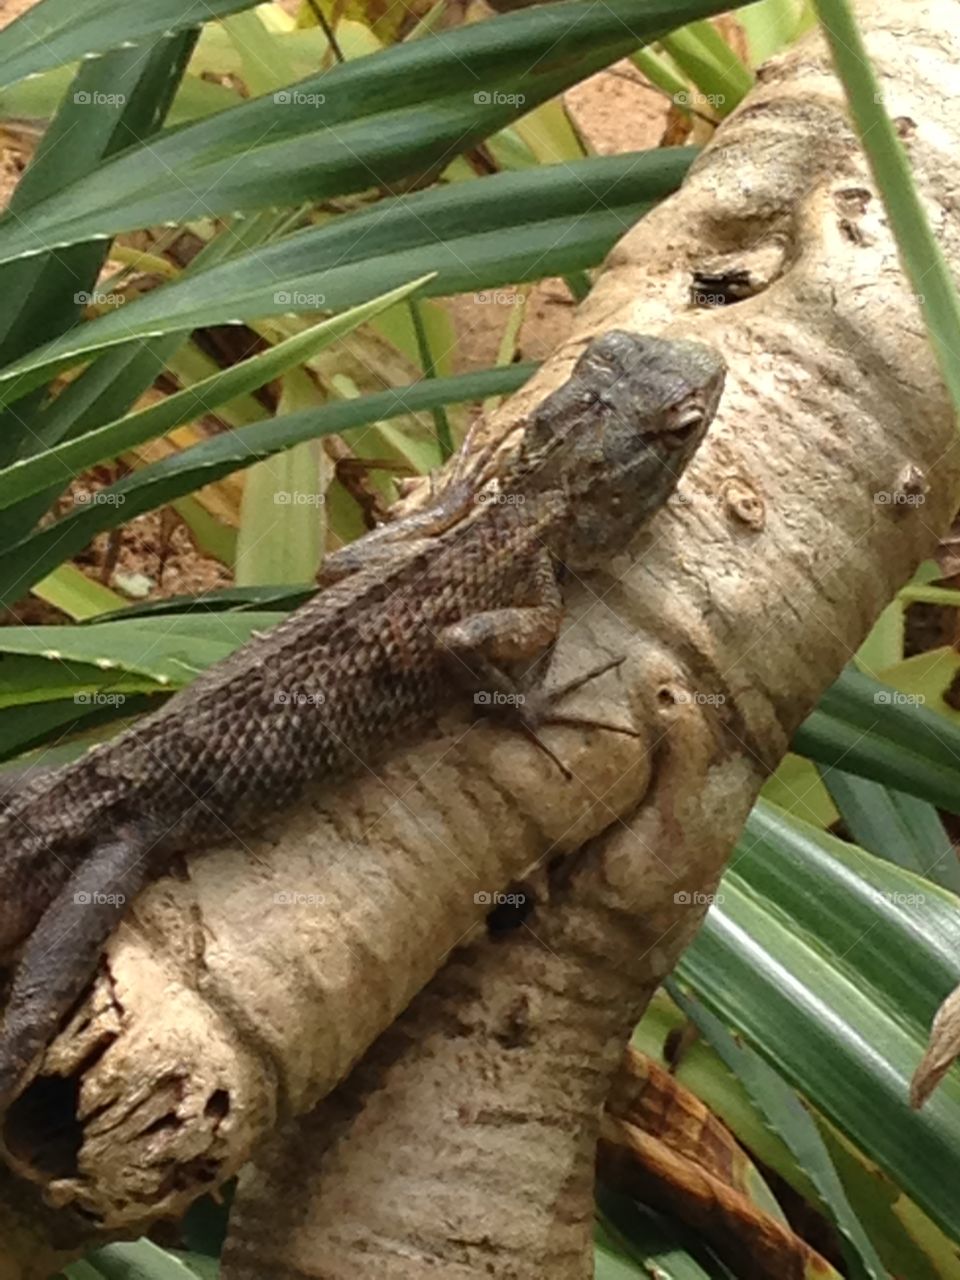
(60, 955)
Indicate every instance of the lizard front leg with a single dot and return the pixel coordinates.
(484, 650)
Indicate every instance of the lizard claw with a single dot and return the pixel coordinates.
(538, 709)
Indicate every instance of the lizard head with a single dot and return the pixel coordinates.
(618, 434)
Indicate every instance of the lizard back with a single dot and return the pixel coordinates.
(319, 698)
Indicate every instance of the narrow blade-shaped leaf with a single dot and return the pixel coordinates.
(58, 31)
(36, 555)
(830, 962)
(366, 123)
(473, 236)
(52, 466)
(870, 729)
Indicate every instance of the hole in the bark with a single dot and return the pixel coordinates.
(42, 1128)
(515, 1031)
(710, 290)
(183, 1177)
(511, 910)
(217, 1105)
(88, 1215)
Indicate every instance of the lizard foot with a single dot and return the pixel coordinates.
(538, 708)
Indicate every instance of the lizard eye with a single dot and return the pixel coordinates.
(689, 419)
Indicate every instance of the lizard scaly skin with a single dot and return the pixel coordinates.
(459, 594)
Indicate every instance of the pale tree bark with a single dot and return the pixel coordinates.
(463, 1145)
(465, 1140)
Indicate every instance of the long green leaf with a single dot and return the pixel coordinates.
(107, 389)
(278, 596)
(121, 97)
(369, 122)
(920, 250)
(58, 31)
(787, 1116)
(895, 826)
(701, 52)
(473, 235)
(37, 473)
(81, 1271)
(143, 1260)
(37, 98)
(103, 391)
(283, 521)
(114, 100)
(660, 1248)
(905, 1239)
(35, 555)
(871, 729)
(889, 928)
(76, 595)
(830, 962)
(167, 652)
(23, 728)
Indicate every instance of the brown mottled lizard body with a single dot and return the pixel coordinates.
(459, 593)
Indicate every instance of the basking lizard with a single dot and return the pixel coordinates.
(463, 592)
